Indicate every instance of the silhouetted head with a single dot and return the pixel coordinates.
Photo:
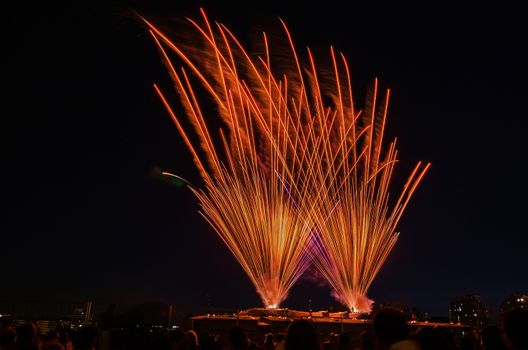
(268, 339)
(64, 337)
(431, 339)
(51, 336)
(389, 326)
(206, 341)
(85, 339)
(302, 336)
(179, 340)
(238, 338)
(366, 340)
(515, 326)
(27, 334)
(7, 337)
(279, 337)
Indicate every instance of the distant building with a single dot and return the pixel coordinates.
(46, 326)
(469, 310)
(518, 301)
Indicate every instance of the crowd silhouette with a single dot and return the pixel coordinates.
(389, 330)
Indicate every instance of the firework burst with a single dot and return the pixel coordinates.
(298, 172)
(248, 183)
(354, 221)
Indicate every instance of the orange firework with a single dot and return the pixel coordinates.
(247, 196)
(298, 173)
(354, 223)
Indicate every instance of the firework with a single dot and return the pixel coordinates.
(299, 172)
(248, 183)
(354, 221)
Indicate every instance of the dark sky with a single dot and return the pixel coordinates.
(83, 217)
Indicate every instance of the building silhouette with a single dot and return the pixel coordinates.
(514, 302)
(469, 310)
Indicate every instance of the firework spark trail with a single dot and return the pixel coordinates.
(245, 198)
(354, 241)
(294, 175)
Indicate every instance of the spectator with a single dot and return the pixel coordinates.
(268, 344)
(85, 339)
(27, 337)
(64, 339)
(366, 340)
(51, 342)
(332, 342)
(431, 339)
(179, 340)
(302, 336)
(391, 331)
(8, 338)
(280, 342)
(207, 341)
(238, 339)
(515, 329)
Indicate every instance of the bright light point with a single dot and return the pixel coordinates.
(273, 306)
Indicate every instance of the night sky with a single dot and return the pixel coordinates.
(85, 217)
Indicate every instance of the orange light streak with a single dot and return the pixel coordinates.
(299, 173)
